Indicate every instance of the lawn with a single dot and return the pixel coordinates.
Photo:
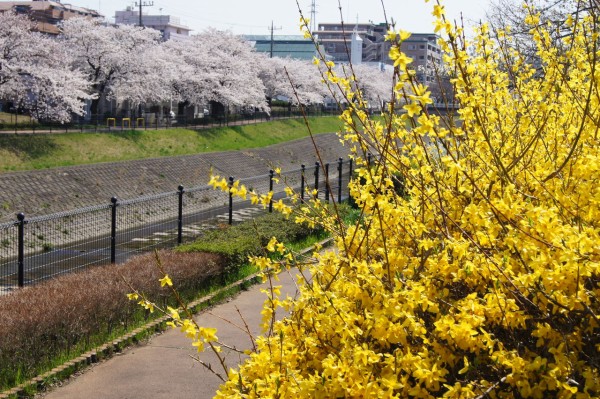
(42, 151)
(9, 119)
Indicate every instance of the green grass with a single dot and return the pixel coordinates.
(9, 119)
(42, 151)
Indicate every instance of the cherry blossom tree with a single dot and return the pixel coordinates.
(374, 82)
(120, 62)
(35, 74)
(301, 83)
(218, 66)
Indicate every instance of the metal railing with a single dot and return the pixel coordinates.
(39, 248)
(150, 121)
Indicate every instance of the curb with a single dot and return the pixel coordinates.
(107, 350)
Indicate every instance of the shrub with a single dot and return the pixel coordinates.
(236, 243)
(484, 280)
(74, 312)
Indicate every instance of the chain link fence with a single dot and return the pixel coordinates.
(36, 249)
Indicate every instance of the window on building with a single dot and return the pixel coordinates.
(422, 47)
(20, 9)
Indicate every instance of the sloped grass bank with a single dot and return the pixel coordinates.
(42, 151)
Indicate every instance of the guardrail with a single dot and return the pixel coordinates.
(149, 121)
(36, 249)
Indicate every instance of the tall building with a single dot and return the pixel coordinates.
(47, 15)
(170, 27)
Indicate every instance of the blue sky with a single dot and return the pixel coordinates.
(255, 16)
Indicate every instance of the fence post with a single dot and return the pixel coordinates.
(271, 173)
(302, 181)
(327, 182)
(340, 170)
(230, 200)
(113, 230)
(21, 250)
(350, 166)
(180, 192)
(317, 165)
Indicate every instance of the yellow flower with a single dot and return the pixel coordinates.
(271, 244)
(133, 296)
(438, 11)
(280, 248)
(166, 280)
(208, 334)
(147, 305)
(199, 345)
(223, 185)
(400, 59)
(174, 313)
(404, 35)
(412, 108)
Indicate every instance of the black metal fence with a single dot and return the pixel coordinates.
(32, 250)
(151, 120)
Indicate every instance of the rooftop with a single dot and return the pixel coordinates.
(42, 5)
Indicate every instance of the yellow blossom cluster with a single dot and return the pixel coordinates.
(473, 270)
(198, 335)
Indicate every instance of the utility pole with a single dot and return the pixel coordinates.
(143, 4)
(272, 28)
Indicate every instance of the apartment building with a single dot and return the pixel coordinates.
(337, 41)
(170, 26)
(47, 15)
(366, 42)
(426, 54)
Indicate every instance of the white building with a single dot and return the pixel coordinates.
(170, 27)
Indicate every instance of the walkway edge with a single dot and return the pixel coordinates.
(106, 351)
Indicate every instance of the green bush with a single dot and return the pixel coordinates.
(237, 242)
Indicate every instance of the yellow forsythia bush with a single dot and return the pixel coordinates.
(481, 280)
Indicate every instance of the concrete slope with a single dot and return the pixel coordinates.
(44, 192)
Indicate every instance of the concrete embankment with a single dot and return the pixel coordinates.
(55, 190)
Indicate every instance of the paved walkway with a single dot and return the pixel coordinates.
(55, 190)
(163, 367)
